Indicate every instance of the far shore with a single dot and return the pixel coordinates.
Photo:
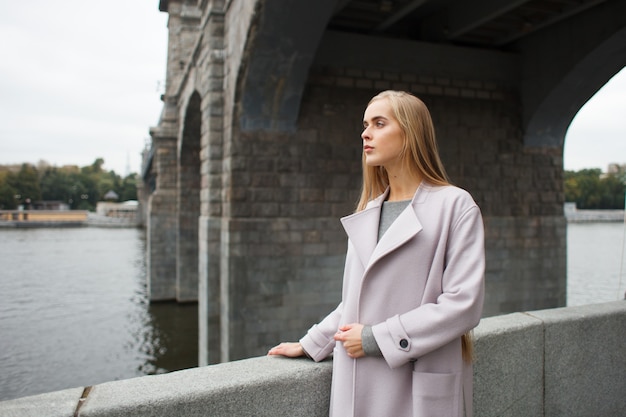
(582, 216)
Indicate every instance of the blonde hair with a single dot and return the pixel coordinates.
(420, 154)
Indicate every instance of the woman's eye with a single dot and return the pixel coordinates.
(380, 124)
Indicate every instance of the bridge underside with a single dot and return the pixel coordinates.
(257, 153)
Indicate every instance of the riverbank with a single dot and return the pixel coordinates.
(583, 216)
(63, 219)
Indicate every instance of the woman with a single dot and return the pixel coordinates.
(413, 279)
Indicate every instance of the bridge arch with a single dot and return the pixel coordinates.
(281, 44)
(592, 131)
(188, 201)
(554, 95)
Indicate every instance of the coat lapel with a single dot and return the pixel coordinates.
(406, 226)
(362, 229)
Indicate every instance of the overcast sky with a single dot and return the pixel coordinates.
(597, 135)
(81, 79)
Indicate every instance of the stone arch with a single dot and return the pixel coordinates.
(550, 119)
(188, 201)
(282, 43)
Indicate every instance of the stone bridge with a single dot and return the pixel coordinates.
(257, 152)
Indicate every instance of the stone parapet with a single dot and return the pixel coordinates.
(559, 362)
(584, 360)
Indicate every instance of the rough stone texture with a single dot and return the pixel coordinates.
(53, 404)
(210, 85)
(279, 288)
(561, 362)
(209, 302)
(188, 204)
(585, 360)
(285, 243)
(162, 223)
(161, 246)
(508, 368)
(268, 386)
(521, 253)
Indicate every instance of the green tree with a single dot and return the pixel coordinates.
(8, 193)
(26, 185)
(612, 188)
(80, 188)
(128, 188)
(590, 189)
(56, 184)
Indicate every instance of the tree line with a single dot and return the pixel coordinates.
(591, 189)
(80, 188)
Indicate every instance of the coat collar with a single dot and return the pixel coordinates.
(362, 227)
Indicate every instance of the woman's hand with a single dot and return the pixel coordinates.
(350, 336)
(289, 349)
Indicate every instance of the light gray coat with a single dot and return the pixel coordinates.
(421, 287)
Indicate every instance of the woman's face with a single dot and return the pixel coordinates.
(383, 139)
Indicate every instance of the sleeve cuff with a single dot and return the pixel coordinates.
(305, 352)
(368, 341)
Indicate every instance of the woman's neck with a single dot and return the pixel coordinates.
(402, 187)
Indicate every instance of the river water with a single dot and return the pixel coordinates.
(74, 310)
(594, 263)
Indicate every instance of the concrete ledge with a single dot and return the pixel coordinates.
(560, 362)
(585, 360)
(508, 367)
(53, 404)
(265, 386)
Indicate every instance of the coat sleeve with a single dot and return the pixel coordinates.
(319, 343)
(406, 337)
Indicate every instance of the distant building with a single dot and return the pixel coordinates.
(111, 195)
(569, 208)
(616, 169)
(50, 205)
(125, 210)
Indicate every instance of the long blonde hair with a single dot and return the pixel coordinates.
(420, 155)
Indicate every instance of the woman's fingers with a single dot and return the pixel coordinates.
(290, 349)
(350, 336)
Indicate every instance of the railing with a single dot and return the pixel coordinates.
(559, 362)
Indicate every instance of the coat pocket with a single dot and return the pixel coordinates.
(436, 395)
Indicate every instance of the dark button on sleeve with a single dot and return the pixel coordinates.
(404, 343)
